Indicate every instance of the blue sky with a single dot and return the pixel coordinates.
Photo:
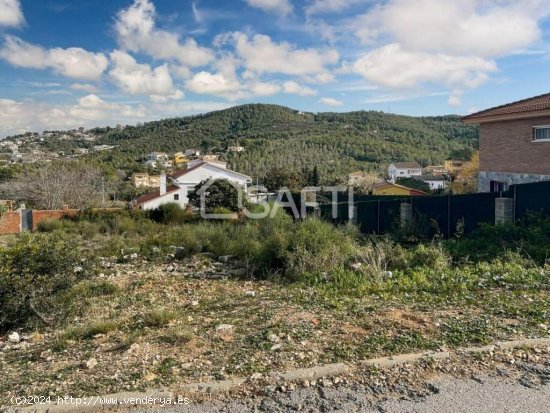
(70, 63)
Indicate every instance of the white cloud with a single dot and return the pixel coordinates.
(294, 88)
(455, 98)
(136, 31)
(277, 6)
(11, 14)
(261, 55)
(177, 95)
(135, 78)
(212, 84)
(197, 15)
(86, 87)
(264, 88)
(89, 111)
(394, 67)
(445, 42)
(329, 6)
(457, 27)
(400, 97)
(73, 62)
(331, 102)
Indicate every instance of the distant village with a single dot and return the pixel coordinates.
(31, 147)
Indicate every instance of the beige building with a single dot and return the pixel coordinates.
(144, 180)
(364, 179)
(454, 166)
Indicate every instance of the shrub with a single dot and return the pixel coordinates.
(530, 237)
(432, 255)
(93, 289)
(35, 274)
(171, 213)
(178, 335)
(159, 317)
(90, 330)
(316, 246)
(50, 225)
(219, 194)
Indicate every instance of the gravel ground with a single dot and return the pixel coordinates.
(453, 396)
(500, 392)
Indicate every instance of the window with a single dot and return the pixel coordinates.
(541, 133)
(176, 197)
(497, 186)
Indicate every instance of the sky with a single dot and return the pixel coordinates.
(71, 63)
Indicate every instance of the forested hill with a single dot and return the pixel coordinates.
(276, 136)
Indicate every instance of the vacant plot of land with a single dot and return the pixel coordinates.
(139, 324)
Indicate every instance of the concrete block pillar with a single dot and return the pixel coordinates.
(504, 211)
(406, 214)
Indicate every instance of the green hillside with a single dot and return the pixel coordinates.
(276, 136)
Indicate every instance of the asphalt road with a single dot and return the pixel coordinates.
(484, 395)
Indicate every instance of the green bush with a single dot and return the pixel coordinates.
(530, 237)
(35, 275)
(171, 213)
(159, 317)
(432, 256)
(315, 247)
(90, 330)
(50, 225)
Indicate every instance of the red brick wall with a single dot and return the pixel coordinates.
(10, 223)
(39, 215)
(507, 146)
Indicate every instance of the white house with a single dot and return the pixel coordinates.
(404, 170)
(183, 182)
(157, 156)
(235, 149)
(192, 152)
(435, 181)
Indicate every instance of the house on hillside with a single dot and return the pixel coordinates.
(144, 180)
(454, 166)
(404, 170)
(235, 149)
(362, 178)
(514, 143)
(192, 152)
(436, 182)
(176, 187)
(435, 170)
(157, 156)
(179, 158)
(388, 188)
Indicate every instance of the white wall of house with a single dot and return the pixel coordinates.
(435, 185)
(211, 171)
(188, 181)
(179, 197)
(395, 172)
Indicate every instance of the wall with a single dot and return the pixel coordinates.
(10, 223)
(507, 146)
(40, 215)
(485, 178)
(167, 199)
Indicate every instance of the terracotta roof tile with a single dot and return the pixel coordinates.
(536, 103)
(410, 165)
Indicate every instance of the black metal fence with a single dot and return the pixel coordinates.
(442, 213)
